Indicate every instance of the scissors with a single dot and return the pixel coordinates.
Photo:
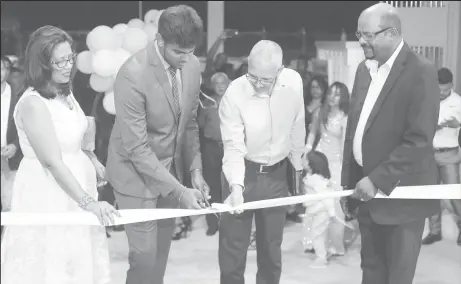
(205, 204)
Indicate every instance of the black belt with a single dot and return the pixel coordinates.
(442, 150)
(262, 169)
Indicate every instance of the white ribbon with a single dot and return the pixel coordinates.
(450, 191)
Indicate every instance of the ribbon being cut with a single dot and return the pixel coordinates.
(449, 191)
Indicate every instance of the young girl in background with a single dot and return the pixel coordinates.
(319, 213)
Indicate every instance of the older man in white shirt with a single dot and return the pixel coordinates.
(447, 152)
(262, 127)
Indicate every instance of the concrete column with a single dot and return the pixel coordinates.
(458, 74)
(215, 22)
(453, 51)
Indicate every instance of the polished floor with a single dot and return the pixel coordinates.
(194, 260)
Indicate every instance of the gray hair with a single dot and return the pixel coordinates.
(217, 76)
(266, 53)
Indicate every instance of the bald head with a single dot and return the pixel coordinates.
(385, 15)
(266, 54)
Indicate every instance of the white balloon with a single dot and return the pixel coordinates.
(120, 28)
(84, 62)
(136, 23)
(151, 31)
(108, 102)
(152, 17)
(119, 40)
(101, 37)
(103, 63)
(134, 40)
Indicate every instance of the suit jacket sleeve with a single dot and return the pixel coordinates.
(347, 145)
(192, 150)
(131, 118)
(421, 123)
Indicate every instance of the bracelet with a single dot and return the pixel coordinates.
(230, 187)
(85, 201)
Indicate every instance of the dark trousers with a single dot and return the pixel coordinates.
(212, 154)
(235, 230)
(149, 242)
(389, 252)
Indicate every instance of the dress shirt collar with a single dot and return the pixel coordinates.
(165, 64)
(372, 65)
(7, 90)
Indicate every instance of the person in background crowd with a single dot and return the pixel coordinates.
(56, 175)
(212, 145)
(262, 126)
(327, 135)
(314, 97)
(447, 152)
(11, 153)
(242, 70)
(389, 143)
(218, 62)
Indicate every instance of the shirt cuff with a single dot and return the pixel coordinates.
(296, 162)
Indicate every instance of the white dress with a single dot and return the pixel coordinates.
(54, 254)
(331, 144)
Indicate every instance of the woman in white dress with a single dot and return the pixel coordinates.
(55, 176)
(327, 136)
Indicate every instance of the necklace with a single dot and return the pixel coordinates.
(65, 100)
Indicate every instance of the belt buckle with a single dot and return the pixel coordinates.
(261, 169)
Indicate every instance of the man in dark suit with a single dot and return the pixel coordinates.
(154, 145)
(389, 137)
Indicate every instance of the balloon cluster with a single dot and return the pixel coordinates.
(109, 48)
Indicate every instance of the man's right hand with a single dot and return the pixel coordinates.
(235, 198)
(189, 198)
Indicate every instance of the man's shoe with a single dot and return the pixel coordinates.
(432, 238)
(294, 217)
(459, 239)
(211, 232)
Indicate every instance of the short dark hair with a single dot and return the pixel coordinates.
(37, 63)
(181, 25)
(323, 84)
(318, 163)
(445, 76)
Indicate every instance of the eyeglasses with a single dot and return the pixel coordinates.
(263, 81)
(370, 35)
(63, 63)
(445, 92)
